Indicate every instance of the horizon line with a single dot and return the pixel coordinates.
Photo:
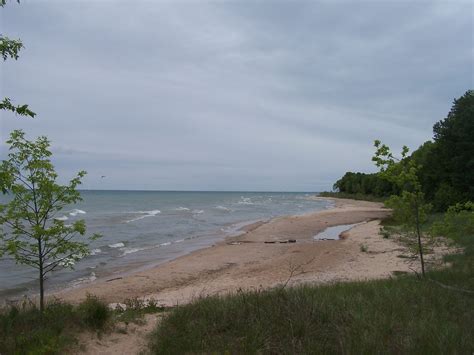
(242, 191)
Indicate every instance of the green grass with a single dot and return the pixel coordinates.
(24, 330)
(402, 315)
(361, 197)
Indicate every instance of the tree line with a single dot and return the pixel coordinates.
(446, 164)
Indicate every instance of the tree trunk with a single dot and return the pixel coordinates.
(41, 275)
(41, 280)
(418, 234)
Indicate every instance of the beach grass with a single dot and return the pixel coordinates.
(25, 330)
(403, 314)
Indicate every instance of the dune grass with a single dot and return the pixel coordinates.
(400, 315)
(25, 330)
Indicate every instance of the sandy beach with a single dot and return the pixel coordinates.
(260, 258)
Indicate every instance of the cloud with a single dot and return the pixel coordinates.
(233, 95)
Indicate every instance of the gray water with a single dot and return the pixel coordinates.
(144, 228)
(334, 233)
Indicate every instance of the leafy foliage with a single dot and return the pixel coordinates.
(445, 166)
(31, 233)
(365, 184)
(9, 48)
(453, 155)
(22, 110)
(458, 222)
(409, 207)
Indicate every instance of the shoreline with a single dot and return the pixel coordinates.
(244, 261)
(231, 230)
(191, 243)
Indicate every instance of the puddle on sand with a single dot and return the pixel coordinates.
(333, 233)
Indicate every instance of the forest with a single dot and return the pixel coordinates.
(446, 164)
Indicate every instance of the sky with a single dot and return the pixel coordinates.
(232, 95)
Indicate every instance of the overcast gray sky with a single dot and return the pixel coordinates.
(241, 95)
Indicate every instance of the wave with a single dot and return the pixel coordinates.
(223, 208)
(146, 214)
(181, 209)
(95, 251)
(198, 211)
(245, 201)
(117, 245)
(126, 251)
(63, 218)
(82, 280)
(75, 212)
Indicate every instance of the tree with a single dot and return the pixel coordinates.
(409, 207)
(9, 48)
(453, 154)
(30, 232)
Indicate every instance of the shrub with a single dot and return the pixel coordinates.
(94, 313)
(458, 222)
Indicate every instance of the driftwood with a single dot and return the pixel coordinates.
(116, 278)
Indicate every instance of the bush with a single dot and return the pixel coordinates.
(458, 222)
(94, 313)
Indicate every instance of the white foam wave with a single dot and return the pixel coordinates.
(137, 218)
(150, 213)
(223, 208)
(165, 244)
(131, 250)
(181, 209)
(83, 280)
(179, 241)
(116, 245)
(95, 251)
(75, 212)
(63, 218)
(198, 211)
(146, 214)
(245, 201)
